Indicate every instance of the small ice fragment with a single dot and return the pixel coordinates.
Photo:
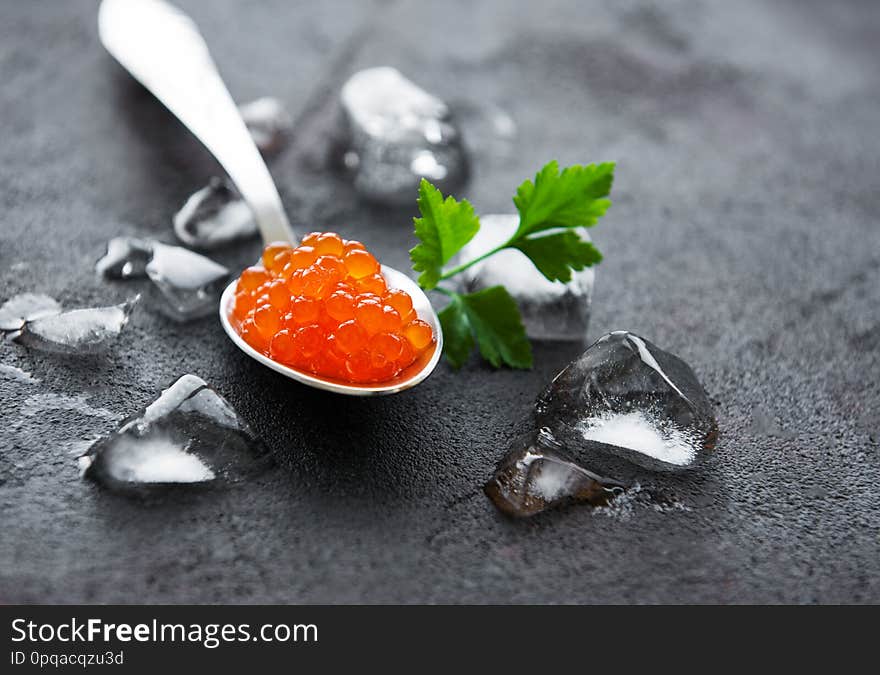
(26, 307)
(77, 331)
(534, 476)
(625, 403)
(214, 216)
(268, 122)
(189, 435)
(550, 310)
(187, 285)
(396, 134)
(126, 258)
(14, 373)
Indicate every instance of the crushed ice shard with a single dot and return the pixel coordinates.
(550, 310)
(268, 122)
(396, 134)
(186, 285)
(77, 331)
(535, 476)
(627, 403)
(126, 258)
(26, 307)
(189, 435)
(214, 216)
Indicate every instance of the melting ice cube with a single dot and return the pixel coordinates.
(26, 307)
(77, 331)
(397, 133)
(535, 476)
(550, 310)
(186, 284)
(214, 216)
(189, 435)
(126, 258)
(626, 402)
(268, 121)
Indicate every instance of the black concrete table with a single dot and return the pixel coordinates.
(744, 237)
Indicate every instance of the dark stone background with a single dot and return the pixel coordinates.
(744, 237)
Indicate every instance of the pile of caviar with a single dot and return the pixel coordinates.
(324, 307)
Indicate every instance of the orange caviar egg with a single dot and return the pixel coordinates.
(340, 306)
(325, 308)
(276, 255)
(400, 300)
(418, 333)
(252, 278)
(373, 283)
(302, 257)
(244, 304)
(360, 263)
(329, 243)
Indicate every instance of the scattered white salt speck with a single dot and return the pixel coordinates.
(636, 431)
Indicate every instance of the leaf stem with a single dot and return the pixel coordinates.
(464, 266)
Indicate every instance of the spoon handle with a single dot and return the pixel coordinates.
(163, 49)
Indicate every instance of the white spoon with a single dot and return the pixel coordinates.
(163, 49)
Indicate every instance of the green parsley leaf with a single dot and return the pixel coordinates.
(556, 255)
(577, 197)
(445, 226)
(492, 318)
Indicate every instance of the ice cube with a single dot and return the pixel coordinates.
(550, 310)
(77, 331)
(214, 216)
(189, 435)
(126, 258)
(26, 307)
(625, 403)
(535, 476)
(186, 285)
(396, 134)
(268, 121)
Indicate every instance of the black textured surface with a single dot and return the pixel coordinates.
(744, 238)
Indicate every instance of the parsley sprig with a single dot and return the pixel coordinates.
(551, 210)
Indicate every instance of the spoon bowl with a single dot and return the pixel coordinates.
(410, 376)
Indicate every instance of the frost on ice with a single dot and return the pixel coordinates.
(550, 310)
(189, 435)
(214, 216)
(396, 134)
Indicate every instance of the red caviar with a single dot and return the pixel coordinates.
(324, 307)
